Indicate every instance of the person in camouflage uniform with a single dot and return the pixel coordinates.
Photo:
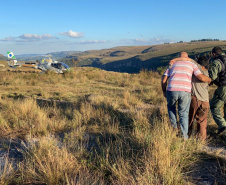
(217, 73)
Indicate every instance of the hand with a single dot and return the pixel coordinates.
(210, 81)
(171, 62)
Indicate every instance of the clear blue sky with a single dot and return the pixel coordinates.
(42, 26)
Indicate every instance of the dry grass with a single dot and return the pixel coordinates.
(46, 161)
(7, 171)
(102, 130)
(21, 117)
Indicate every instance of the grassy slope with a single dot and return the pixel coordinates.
(2, 57)
(108, 128)
(155, 51)
(133, 59)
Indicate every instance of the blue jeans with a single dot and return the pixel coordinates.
(184, 100)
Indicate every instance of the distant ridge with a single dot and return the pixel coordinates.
(132, 59)
(54, 55)
(62, 54)
(2, 57)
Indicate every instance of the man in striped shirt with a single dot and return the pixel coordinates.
(179, 77)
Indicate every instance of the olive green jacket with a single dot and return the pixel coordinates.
(214, 70)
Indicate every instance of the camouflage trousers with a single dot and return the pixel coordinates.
(218, 101)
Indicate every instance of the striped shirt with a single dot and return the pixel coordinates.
(180, 75)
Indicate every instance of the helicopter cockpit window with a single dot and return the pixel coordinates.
(56, 65)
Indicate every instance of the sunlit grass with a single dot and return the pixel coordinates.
(90, 126)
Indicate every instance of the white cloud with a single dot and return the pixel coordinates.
(149, 41)
(8, 39)
(92, 42)
(36, 37)
(29, 38)
(73, 34)
(139, 40)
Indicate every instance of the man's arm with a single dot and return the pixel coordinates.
(164, 84)
(200, 76)
(204, 78)
(179, 59)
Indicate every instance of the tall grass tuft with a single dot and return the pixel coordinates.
(48, 161)
(7, 171)
(21, 117)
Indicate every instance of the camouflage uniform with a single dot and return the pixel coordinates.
(219, 97)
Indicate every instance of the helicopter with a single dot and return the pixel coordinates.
(46, 64)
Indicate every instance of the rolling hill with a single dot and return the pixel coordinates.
(54, 55)
(2, 57)
(133, 59)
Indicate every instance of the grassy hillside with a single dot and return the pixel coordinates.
(34, 57)
(90, 126)
(2, 57)
(135, 58)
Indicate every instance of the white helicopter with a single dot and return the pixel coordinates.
(44, 64)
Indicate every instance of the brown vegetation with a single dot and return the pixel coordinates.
(90, 126)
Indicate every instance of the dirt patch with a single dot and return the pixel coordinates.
(209, 170)
(144, 106)
(10, 153)
(218, 151)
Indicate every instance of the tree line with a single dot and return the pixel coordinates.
(204, 40)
